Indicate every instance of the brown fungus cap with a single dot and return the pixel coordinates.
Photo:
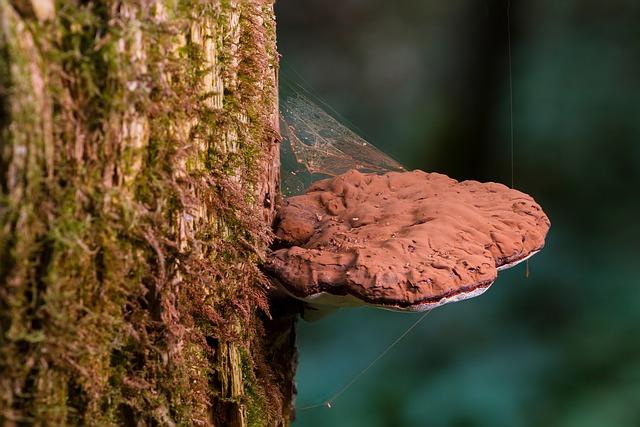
(403, 240)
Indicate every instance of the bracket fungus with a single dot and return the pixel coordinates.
(408, 241)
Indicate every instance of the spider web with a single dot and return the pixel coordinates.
(316, 145)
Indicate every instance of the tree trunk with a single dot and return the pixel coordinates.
(138, 175)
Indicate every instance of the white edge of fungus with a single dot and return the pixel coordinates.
(323, 303)
(442, 301)
(516, 262)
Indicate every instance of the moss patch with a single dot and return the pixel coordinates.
(130, 224)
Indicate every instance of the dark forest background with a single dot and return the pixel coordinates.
(428, 82)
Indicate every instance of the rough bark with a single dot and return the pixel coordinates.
(138, 172)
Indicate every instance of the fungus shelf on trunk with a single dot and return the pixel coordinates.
(408, 241)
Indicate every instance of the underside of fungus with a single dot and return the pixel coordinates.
(403, 240)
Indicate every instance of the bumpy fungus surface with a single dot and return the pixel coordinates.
(403, 240)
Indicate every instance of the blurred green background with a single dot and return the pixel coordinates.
(427, 82)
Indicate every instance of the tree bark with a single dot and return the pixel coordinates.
(138, 176)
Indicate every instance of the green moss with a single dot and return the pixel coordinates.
(254, 399)
(119, 312)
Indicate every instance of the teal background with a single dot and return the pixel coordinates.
(427, 82)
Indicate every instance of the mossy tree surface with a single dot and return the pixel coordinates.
(138, 169)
